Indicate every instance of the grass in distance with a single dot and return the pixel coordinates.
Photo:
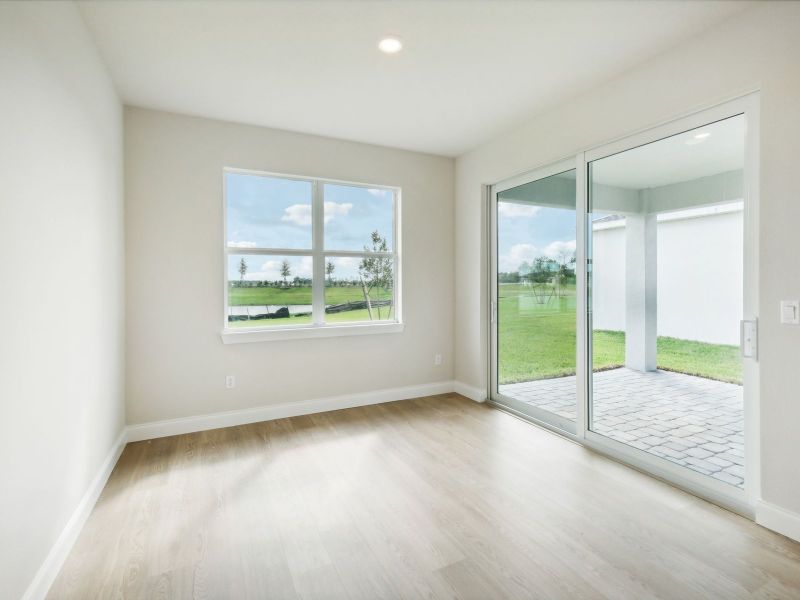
(349, 316)
(271, 296)
(263, 296)
(537, 341)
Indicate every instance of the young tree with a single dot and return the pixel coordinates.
(375, 272)
(541, 271)
(286, 271)
(242, 269)
(329, 269)
(565, 271)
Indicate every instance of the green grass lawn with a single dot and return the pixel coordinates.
(537, 341)
(267, 296)
(259, 296)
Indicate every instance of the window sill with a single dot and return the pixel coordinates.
(232, 336)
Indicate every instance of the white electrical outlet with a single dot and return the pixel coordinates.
(230, 381)
(437, 359)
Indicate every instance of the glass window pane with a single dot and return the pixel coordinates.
(666, 298)
(268, 212)
(353, 214)
(536, 307)
(267, 291)
(359, 289)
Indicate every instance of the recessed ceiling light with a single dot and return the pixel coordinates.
(697, 138)
(390, 45)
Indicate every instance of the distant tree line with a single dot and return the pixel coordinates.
(543, 270)
(295, 282)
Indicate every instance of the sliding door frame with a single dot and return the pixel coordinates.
(739, 500)
(541, 417)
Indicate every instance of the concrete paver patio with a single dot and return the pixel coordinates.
(691, 421)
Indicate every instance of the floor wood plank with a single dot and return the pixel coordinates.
(437, 497)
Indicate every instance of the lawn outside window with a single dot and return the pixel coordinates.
(309, 257)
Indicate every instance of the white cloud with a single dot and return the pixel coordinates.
(334, 209)
(346, 267)
(242, 244)
(378, 193)
(558, 249)
(517, 254)
(300, 214)
(270, 270)
(510, 209)
(345, 262)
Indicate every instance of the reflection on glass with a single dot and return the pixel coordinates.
(536, 297)
(268, 291)
(268, 212)
(666, 298)
(359, 289)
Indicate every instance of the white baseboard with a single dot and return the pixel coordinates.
(157, 429)
(778, 519)
(473, 393)
(51, 566)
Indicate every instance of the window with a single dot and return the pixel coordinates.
(307, 257)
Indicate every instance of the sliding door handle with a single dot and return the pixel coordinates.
(748, 338)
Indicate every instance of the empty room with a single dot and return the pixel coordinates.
(399, 299)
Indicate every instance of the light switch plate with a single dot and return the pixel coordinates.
(790, 312)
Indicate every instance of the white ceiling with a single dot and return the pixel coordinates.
(469, 69)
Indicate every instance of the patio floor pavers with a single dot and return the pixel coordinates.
(692, 421)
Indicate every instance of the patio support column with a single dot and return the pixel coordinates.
(640, 292)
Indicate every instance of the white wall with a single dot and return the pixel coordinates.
(608, 279)
(176, 362)
(699, 278)
(61, 267)
(757, 48)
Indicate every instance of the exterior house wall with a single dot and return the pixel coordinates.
(699, 278)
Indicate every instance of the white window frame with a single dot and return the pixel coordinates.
(319, 254)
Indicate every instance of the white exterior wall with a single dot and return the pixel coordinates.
(699, 278)
(608, 279)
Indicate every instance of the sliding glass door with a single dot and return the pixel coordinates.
(623, 289)
(666, 288)
(534, 297)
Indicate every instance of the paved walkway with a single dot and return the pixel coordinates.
(692, 421)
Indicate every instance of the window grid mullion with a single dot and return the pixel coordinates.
(317, 252)
(304, 252)
(318, 240)
(269, 251)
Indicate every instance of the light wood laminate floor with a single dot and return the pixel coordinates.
(432, 498)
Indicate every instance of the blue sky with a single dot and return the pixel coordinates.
(526, 232)
(276, 213)
(269, 212)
